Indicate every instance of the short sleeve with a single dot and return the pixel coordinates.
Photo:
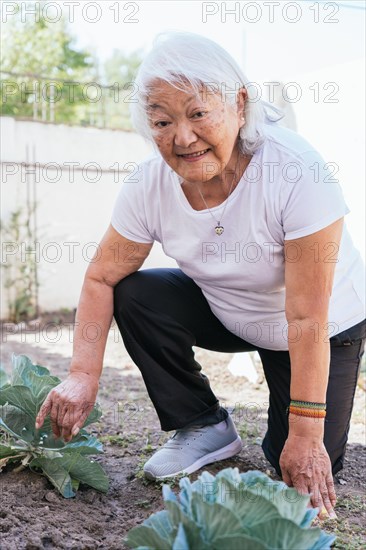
(311, 196)
(129, 211)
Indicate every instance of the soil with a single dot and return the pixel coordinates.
(35, 516)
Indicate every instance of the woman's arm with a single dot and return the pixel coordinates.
(70, 402)
(309, 273)
(118, 258)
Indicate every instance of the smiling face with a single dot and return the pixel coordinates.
(204, 125)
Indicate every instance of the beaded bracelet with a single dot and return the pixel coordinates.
(307, 408)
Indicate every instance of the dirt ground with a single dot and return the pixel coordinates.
(34, 516)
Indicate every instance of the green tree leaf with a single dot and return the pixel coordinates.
(41, 48)
(122, 68)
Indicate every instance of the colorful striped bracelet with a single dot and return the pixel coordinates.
(307, 408)
(308, 404)
(312, 413)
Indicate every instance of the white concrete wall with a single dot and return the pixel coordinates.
(69, 211)
(331, 115)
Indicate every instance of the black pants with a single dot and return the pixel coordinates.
(161, 313)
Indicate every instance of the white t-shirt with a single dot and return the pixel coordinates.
(285, 193)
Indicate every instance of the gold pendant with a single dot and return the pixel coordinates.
(219, 229)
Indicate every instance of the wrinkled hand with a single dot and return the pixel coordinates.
(69, 405)
(306, 466)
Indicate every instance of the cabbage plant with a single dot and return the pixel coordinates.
(66, 465)
(231, 511)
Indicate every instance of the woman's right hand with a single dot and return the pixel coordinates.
(69, 404)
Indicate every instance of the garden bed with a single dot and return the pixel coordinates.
(35, 516)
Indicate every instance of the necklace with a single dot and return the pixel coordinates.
(219, 229)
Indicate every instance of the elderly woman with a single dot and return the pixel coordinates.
(256, 225)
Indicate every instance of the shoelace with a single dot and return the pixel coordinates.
(181, 435)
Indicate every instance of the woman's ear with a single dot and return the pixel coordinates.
(241, 99)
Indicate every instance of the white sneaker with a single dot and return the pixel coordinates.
(191, 448)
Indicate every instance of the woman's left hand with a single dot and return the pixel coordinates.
(306, 466)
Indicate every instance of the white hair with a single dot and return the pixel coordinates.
(189, 61)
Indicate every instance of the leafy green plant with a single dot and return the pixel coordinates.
(231, 511)
(66, 465)
(20, 274)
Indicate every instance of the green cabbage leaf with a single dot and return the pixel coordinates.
(66, 465)
(231, 511)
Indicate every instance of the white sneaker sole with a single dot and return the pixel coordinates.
(225, 452)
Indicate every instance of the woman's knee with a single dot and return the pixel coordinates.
(125, 291)
(147, 286)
